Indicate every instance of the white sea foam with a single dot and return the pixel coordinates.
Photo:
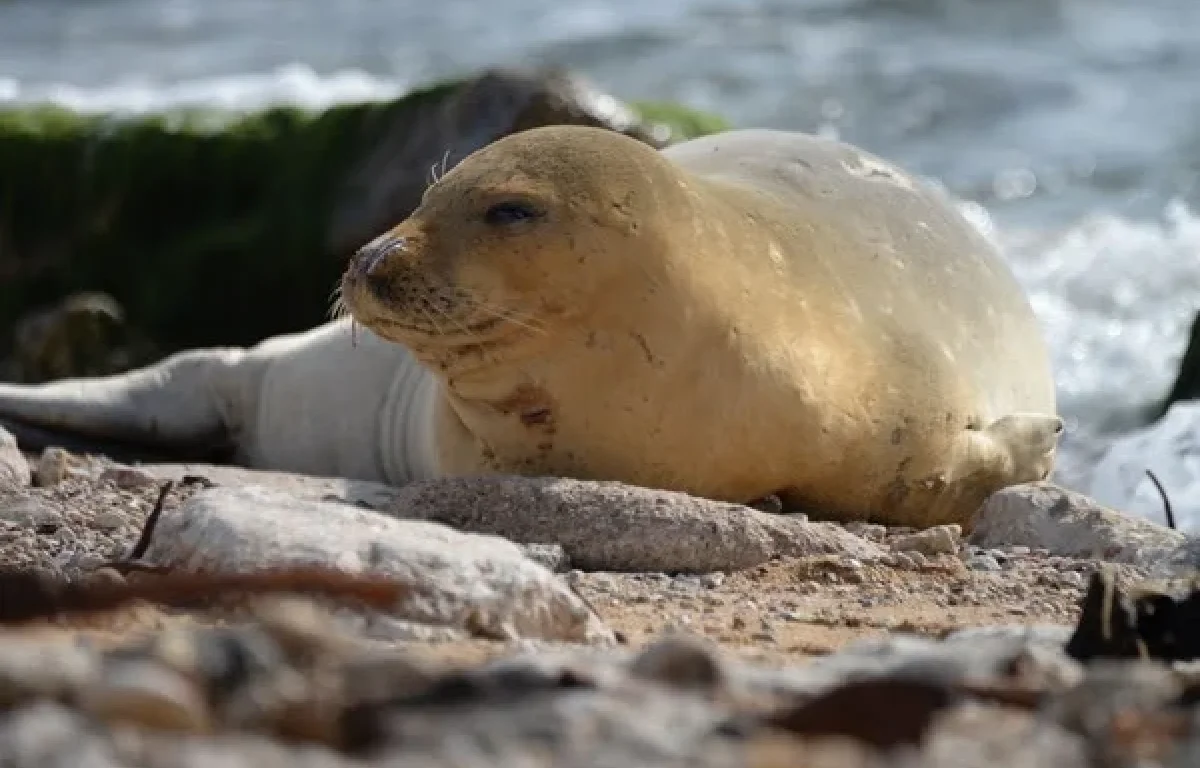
(1171, 449)
(295, 84)
(1116, 298)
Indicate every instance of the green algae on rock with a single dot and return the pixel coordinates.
(209, 228)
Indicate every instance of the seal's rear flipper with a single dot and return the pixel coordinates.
(1029, 440)
(31, 439)
(178, 408)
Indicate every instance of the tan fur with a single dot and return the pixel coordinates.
(753, 313)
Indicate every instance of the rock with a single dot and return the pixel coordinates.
(33, 669)
(869, 531)
(14, 469)
(108, 520)
(127, 477)
(282, 695)
(362, 493)
(49, 733)
(480, 583)
(31, 513)
(611, 526)
(139, 692)
(541, 713)
(682, 662)
(938, 540)
(983, 563)
(53, 467)
(351, 170)
(552, 556)
(85, 334)
(1144, 622)
(389, 180)
(1070, 524)
(1187, 383)
(391, 629)
(976, 653)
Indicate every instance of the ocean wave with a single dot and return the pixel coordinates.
(293, 85)
(1116, 297)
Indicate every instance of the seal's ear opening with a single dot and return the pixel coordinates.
(509, 212)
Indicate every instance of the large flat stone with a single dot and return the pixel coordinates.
(462, 580)
(1071, 525)
(612, 526)
(605, 526)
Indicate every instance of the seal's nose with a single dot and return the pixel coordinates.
(368, 258)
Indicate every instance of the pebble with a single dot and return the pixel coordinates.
(681, 662)
(983, 563)
(128, 477)
(552, 556)
(148, 694)
(14, 469)
(685, 584)
(1071, 579)
(52, 467)
(30, 513)
(938, 540)
(108, 520)
(106, 575)
(712, 580)
(910, 561)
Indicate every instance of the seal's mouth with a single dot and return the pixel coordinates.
(384, 292)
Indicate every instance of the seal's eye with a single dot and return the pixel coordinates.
(510, 212)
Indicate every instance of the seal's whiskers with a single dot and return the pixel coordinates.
(524, 320)
(438, 170)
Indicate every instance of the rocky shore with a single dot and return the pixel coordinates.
(196, 615)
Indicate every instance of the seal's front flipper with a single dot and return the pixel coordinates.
(176, 408)
(1027, 443)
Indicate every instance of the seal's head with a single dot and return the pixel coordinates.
(519, 240)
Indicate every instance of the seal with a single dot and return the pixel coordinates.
(749, 314)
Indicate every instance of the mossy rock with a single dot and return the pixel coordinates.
(210, 228)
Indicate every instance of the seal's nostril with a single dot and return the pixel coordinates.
(374, 253)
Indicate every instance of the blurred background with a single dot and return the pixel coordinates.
(1070, 129)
